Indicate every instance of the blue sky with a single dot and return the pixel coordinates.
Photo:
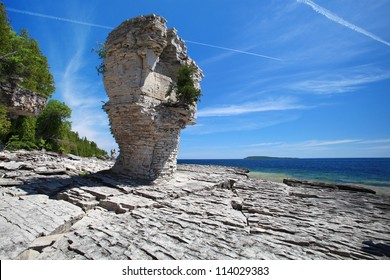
(292, 78)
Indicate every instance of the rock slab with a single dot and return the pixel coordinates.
(203, 212)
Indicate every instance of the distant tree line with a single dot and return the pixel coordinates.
(51, 130)
(22, 63)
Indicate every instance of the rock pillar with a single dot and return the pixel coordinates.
(141, 61)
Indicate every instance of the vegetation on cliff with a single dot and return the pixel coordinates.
(101, 52)
(5, 123)
(186, 92)
(22, 63)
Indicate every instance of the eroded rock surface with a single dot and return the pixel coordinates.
(140, 64)
(21, 102)
(203, 212)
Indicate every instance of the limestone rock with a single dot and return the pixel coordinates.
(345, 187)
(141, 61)
(202, 212)
(21, 102)
(24, 220)
(10, 182)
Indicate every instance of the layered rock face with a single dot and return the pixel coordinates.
(21, 102)
(140, 64)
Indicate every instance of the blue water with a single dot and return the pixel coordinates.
(364, 171)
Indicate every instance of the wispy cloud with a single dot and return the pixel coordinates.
(321, 143)
(381, 148)
(321, 148)
(375, 141)
(340, 83)
(265, 144)
(333, 17)
(222, 125)
(84, 95)
(280, 104)
(306, 144)
(316, 143)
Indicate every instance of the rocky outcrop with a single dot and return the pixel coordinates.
(19, 101)
(142, 57)
(315, 184)
(47, 211)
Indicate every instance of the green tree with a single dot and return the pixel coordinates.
(186, 92)
(5, 123)
(22, 61)
(52, 123)
(5, 32)
(24, 127)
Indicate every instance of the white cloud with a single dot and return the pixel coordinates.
(280, 104)
(265, 144)
(316, 143)
(244, 123)
(381, 148)
(375, 141)
(306, 144)
(348, 82)
(320, 145)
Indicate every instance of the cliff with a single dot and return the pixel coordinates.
(19, 101)
(49, 211)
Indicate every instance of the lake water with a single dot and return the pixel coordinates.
(362, 171)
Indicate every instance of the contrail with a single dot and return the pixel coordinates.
(110, 28)
(339, 20)
(233, 50)
(58, 18)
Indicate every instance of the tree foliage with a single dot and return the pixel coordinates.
(24, 127)
(5, 123)
(186, 92)
(51, 130)
(22, 61)
(101, 52)
(52, 123)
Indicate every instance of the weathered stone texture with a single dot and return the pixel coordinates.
(203, 212)
(141, 62)
(21, 102)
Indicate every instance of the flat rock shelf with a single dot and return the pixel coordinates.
(66, 207)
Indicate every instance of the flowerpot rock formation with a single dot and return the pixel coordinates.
(141, 61)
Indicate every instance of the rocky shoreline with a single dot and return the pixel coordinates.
(67, 207)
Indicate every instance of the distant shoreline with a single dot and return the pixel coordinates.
(266, 158)
(278, 178)
(370, 172)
